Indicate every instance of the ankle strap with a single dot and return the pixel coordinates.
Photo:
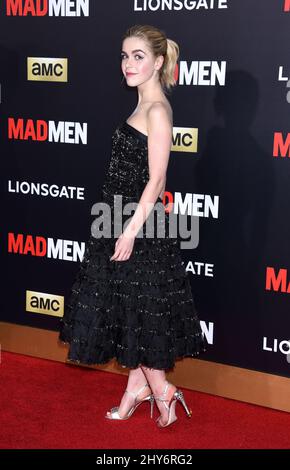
(135, 394)
(163, 395)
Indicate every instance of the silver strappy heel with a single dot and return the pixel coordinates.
(114, 413)
(177, 396)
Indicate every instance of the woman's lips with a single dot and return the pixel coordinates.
(129, 74)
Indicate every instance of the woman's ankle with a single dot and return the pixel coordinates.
(164, 390)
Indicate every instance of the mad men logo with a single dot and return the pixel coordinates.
(286, 5)
(184, 139)
(199, 205)
(42, 131)
(177, 5)
(207, 330)
(47, 8)
(44, 69)
(67, 250)
(200, 73)
(40, 302)
(281, 146)
(277, 282)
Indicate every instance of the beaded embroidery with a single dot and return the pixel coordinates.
(139, 311)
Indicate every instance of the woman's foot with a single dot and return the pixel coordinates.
(131, 398)
(163, 397)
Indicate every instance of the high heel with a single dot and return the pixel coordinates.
(177, 396)
(114, 412)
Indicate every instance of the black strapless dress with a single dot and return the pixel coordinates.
(140, 311)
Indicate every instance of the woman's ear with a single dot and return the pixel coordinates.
(159, 62)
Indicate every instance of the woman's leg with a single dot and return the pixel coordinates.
(136, 380)
(157, 381)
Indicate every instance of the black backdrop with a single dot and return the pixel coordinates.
(237, 122)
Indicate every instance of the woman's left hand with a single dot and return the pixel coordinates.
(123, 247)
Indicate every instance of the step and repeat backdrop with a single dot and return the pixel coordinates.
(61, 98)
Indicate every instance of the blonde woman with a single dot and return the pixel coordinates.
(132, 299)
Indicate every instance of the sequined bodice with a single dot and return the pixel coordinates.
(128, 171)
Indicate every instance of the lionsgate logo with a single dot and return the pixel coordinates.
(155, 225)
(177, 5)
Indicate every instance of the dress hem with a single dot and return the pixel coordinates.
(132, 366)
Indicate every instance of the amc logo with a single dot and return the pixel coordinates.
(184, 139)
(40, 302)
(46, 69)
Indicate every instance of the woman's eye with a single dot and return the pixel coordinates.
(123, 56)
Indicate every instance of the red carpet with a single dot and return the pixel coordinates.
(50, 405)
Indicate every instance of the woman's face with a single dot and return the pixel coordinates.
(137, 61)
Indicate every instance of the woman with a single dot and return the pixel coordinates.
(132, 299)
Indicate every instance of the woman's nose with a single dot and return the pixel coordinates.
(128, 63)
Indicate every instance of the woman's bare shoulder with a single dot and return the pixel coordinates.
(163, 107)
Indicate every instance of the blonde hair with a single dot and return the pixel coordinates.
(159, 44)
